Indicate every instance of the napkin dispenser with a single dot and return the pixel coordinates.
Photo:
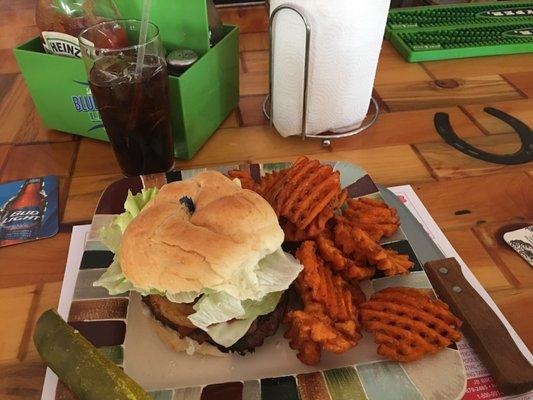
(323, 60)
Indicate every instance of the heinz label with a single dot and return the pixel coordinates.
(61, 44)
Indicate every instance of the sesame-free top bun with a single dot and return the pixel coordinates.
(170, 249)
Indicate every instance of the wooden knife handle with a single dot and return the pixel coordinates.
(490, 338)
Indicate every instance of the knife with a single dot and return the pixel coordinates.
(491, 340)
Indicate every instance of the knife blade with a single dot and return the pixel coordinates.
(424, 247)
(492, 341)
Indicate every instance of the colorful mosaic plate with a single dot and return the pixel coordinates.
(122, 329)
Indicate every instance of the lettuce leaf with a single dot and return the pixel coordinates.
(116, 283)
(226, 318)
(273, 273)
(213, 308)
(233, 317)
(111, 235)
(253, 309)
(217, 307)
(229, 333)
(277, 271)
(114, 280)
(181, 297)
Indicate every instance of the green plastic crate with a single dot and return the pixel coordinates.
(201, 98)
(462, 42)
(459, 15)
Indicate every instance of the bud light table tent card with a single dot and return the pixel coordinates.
(28, 210)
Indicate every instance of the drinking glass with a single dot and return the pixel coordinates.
(133, 102)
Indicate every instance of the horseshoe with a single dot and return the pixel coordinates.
(522, 156)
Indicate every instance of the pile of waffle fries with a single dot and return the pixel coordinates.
(338, 247)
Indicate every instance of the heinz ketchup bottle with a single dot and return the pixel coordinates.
(61, 21)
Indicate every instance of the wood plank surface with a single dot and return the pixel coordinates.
(253, 41)
(472, 201)
(4, 150)
(16, 302)
(443, 93)
(512, 303)
(33, 131)
(39, 160)
(38, 262)
(467, 202)
(520, 109)
(15, 109)
(251, 110)
(46, 296)
(392, 68)
(95, 158)
(408, 127)
(491, 235)
(446, 162)
(402, 162)
(254, 61)
(6, 82)
(83, 195)
(232, 121)
(522, 81)
(478, 259)
(9, 63)
(249, 19)
(254, 83)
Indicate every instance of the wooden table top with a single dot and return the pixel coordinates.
(472, 201)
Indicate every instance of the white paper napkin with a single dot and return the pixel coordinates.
(346, 38)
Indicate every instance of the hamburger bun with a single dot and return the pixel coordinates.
(171, 249)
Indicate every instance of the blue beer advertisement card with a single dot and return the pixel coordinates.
(28, 210)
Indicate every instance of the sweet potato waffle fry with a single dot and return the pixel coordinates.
(247, 182)
(271, 185)
(407, 324)
(374, 217)
(340, 263)
(317, 226)
(358, 245)
(309, 187)
(328, 320)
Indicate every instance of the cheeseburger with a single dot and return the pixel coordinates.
(206, 257)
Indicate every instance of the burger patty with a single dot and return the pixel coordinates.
(174, 316)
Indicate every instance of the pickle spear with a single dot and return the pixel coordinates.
(78, 364)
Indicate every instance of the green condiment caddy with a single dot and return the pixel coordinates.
(201, 98)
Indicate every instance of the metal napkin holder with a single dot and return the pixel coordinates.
(269, 101)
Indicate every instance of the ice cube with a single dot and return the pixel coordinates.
(102, 76)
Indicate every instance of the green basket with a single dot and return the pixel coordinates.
(201, 98)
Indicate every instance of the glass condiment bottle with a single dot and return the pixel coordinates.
(61, 21)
